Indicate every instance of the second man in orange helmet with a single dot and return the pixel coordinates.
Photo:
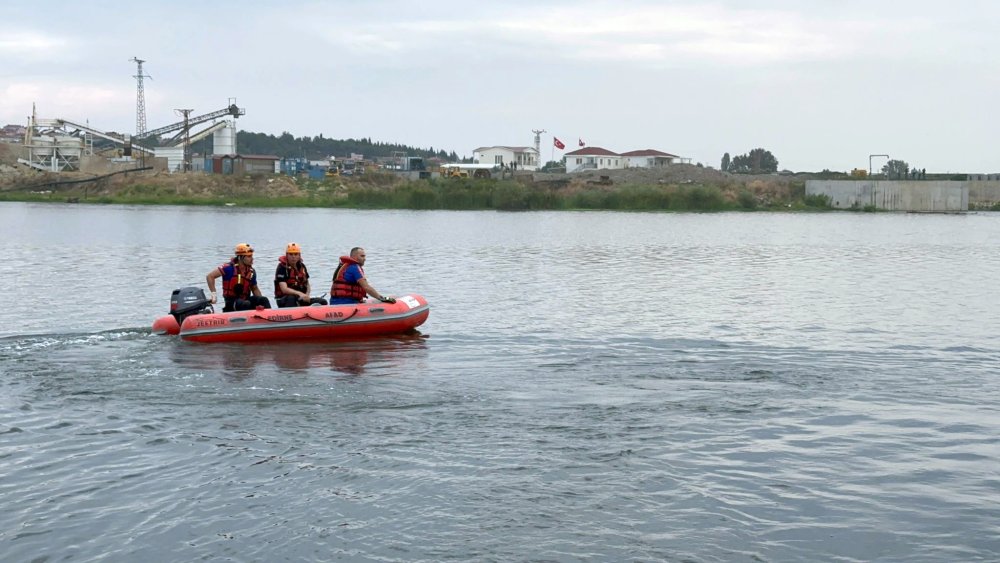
(291, 280)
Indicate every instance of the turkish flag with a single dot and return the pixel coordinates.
(558, 144)
(582, 143)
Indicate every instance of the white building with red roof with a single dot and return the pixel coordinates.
(593, 158)
(597, 158)
(650, 158)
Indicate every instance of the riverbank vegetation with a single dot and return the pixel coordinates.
(514, 196)
(633, 191)
(448, 194)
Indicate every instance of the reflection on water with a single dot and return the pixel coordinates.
(349, 357)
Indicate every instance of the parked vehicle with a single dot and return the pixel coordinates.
(457, 170)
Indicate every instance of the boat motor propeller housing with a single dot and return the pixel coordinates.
(188, 301)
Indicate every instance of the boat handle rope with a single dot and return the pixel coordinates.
(305, 316)
(336, 321)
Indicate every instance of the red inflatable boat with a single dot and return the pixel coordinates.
(192, 318)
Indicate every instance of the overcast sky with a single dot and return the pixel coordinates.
(822, 86)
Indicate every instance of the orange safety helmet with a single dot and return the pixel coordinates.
(244, 249)
(293, 248)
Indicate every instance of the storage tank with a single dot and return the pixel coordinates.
(224, 140)
(65, 145)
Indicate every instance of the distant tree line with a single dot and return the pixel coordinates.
(900, 170)
(760, 161)
(757, 161)
(319, 147)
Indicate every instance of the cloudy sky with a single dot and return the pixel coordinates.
(822, 86)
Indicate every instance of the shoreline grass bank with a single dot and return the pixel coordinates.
(440, 194)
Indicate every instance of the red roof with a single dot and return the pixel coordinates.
(592, 151)
(649, 152)
(512, 149)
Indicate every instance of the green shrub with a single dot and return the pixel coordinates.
(746, 200)
(818, 201)
(797, 190)
(368, 197)
(703, 198)
(642, 198)
(589, 199)
(508, 196)
(423, 197)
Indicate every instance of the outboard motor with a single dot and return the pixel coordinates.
(188, 301)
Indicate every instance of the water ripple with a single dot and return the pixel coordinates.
(677, 388)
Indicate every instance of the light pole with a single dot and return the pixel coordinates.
(870, 157)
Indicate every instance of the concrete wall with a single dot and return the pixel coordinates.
(984, 193)
(894, 195)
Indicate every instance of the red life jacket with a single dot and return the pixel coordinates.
(238, 286)
(343, 288)
(298, 278)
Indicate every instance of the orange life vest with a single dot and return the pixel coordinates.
(343, 288)
(238, 286)
(298, 278)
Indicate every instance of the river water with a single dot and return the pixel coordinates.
(589, 386)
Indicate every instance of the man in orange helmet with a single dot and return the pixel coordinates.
(291, 280)
(239, 282)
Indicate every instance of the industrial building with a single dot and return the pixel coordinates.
(64, 145)
(243, 164)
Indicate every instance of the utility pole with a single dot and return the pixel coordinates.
(538, 145)
(187, 137)
(874, 182)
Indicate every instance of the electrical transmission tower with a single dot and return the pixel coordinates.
(140, 99)
(538, 145)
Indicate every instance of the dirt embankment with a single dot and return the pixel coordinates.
(10, 170)
(8, 154)
(181, 186)
(199, 185)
